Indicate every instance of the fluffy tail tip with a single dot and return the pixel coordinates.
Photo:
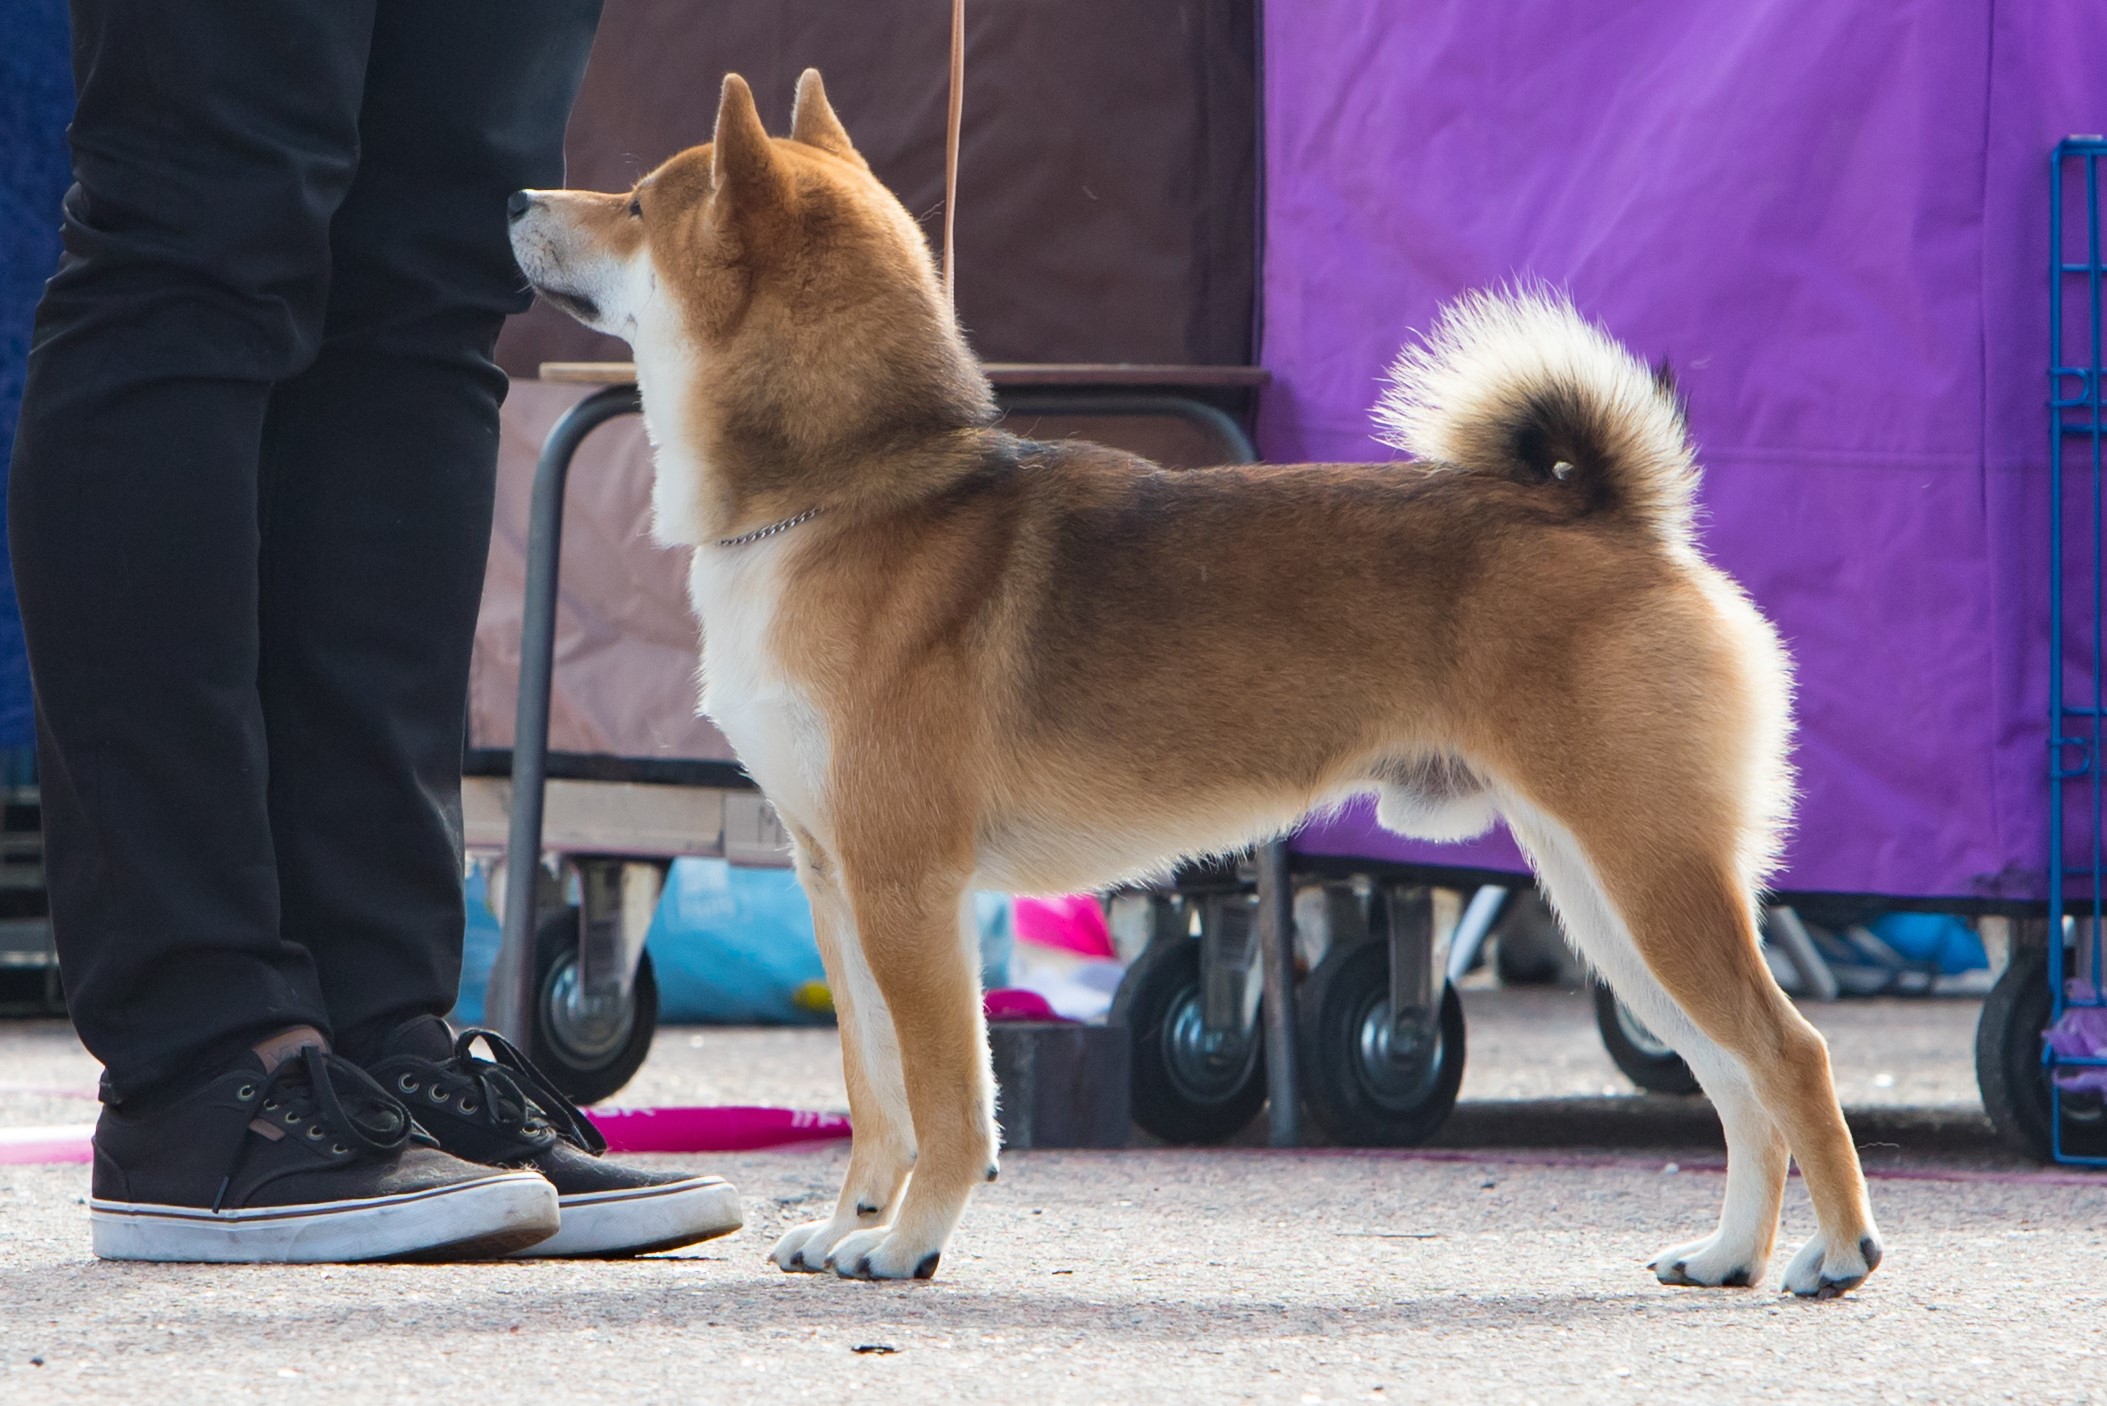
(1515, 381)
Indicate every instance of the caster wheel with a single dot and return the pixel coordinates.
(1360, 1086)
(2008, 1070)
(1646, 1059)
(1184, 1090)
(587, 1058)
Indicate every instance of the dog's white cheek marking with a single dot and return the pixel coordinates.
(554, 256)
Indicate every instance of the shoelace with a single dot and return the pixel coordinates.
(345, 1103)
(516, 1096)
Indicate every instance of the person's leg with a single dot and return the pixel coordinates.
(212, 143)
(378, 478)
(379, 465)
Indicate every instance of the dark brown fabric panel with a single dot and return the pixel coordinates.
(1108, 170)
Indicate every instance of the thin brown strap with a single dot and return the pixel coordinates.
(951, 125)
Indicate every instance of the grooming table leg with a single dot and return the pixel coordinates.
(511, 1000)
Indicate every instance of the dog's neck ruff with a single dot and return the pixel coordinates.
(769, 531)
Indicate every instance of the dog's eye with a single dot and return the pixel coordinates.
(636, 209)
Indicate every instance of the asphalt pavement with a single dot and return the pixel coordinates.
(1504, 1265)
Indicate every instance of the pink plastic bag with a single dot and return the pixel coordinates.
(1015, 1003)
(1072, 924)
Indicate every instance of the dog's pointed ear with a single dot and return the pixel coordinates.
(812, 119)
(742, 161)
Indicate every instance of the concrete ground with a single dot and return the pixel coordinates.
(1504, 1265)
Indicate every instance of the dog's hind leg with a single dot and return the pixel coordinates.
(909, 898)
(1739, 1251)
(882, 1150)
(1668, 920)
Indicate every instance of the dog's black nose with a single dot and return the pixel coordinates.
(519, 204)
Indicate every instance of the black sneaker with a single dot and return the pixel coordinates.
(313, 1163)
(502, 1112)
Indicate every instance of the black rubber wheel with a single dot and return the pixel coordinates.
(2008, 1070)
(1646, 1059)
(587, 1064)
(1358, 1087)
(1184, 1092)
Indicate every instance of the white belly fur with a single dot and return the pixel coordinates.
(1047, 856)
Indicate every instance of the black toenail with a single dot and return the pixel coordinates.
(991, 1174)
(1739, 1279)
(927, 1268)
(863, 1210)
(1677, 1269)
(1869, 1251)
(863, 1267)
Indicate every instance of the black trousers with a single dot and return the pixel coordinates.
(251, 502)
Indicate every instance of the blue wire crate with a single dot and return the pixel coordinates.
(2075, 716)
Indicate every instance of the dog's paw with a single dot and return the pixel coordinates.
(803, 1249)
(1822, 1270)
(1710, 1263)
(883, 1254)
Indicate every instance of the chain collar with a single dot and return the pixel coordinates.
(769, 531)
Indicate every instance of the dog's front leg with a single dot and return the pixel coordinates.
(912, 931)
(882, 1151)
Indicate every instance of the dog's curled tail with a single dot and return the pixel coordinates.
(1515, 382)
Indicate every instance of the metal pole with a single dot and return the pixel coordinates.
(1276, 951)
(511, 1001)
(1473, 928)
(1806, 958)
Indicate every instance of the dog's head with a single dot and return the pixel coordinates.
(773, 278)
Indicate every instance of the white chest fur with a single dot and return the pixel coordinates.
(778, 733)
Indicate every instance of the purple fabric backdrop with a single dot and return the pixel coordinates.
(1832, 218)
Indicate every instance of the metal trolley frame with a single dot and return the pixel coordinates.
(2076, 717)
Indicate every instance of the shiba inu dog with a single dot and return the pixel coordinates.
(954, 659)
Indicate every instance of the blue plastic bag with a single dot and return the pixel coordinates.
(478, 950)
(1940, 941)
(734, 946)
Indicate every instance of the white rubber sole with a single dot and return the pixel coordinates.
(491, 1216)
(637, 1222)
